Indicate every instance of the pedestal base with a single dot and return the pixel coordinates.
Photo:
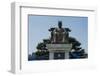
(66, 55)
(51, 55)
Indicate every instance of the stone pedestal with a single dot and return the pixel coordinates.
(51, 55)
(59, 48)
(66, 55)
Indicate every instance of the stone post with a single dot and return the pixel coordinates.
(66, 55)
(51, 55)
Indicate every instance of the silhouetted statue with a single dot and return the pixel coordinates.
(59, 35)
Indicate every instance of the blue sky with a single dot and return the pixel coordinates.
(38, 29)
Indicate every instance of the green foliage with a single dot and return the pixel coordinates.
(41, 53)
(41, 46)
(75, 43)
(46, 41)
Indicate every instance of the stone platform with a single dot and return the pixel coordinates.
(60, 50)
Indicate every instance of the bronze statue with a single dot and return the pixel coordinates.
(59, 35)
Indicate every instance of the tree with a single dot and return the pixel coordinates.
(78, 51)
(75, 44)
(46, 41)
(41, 46)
